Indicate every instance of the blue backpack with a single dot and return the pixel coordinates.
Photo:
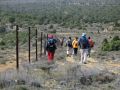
(84, 44)
(51, 45)
(69, 43)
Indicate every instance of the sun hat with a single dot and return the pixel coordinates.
(83, 34)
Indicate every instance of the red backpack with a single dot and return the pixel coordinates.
(91, 43)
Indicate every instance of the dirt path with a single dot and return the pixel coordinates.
(11, 62)
(95, 65)
(92, 64)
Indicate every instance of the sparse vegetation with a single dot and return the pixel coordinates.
(51, 16)
(113, 45)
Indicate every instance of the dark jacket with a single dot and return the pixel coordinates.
(51, 46)
(83, 42)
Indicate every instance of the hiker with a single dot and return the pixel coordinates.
(62, 41)
(84, 46)
(51, 47)
(75, 46)
(69, 46)
(91, 43)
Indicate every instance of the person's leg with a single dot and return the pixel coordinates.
(88, 52)
(67, 51)
(76, 51)
(85, 55)
(73, 51)
(52, 56)
(82, 56)
(49, 56)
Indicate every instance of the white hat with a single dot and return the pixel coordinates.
(83, 34)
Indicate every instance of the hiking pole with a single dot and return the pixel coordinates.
(36, 46)
(17, 48)
(41, 44)
(29, 44)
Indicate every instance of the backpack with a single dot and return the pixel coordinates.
(51, 45)
(75, 44)
(91, 43)
(69, 43)
(83, 43)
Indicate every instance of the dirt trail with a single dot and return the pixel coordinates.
(91, 65)
(11, 62)
(95, 65)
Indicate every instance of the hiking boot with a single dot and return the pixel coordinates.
(85, 63)
(67, 55)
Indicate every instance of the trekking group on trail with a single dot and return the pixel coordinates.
(83, 43)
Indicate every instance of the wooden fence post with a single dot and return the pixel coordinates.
(41, 44)
(17, 48)
(29, 44)
(36, 46)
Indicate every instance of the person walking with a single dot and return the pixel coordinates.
(69, 46)
(84, 46)
(62, 41)
(75, 46)
(51, 47)
(91, 43)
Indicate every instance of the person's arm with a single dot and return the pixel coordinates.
(73, 43)
(79, 42)
(88, 43)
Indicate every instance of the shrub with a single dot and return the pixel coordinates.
(106, 47)
(2, 43)
(11, 19)
(51, 27)
(105, 41)
(115, 38)
(2, 29)
(113, 45)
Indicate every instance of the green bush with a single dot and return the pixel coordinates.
(11, 19)
(2, 29)
(2, 43)
(105, 41)
(106, 47)
(51, 27)
(113, 45)
(115, 38)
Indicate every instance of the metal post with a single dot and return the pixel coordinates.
(41, 44)
(29, 32)
(36, 46)
(17, 48)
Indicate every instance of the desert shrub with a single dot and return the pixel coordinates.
(53, 31)
(51, 27)
(11, 19)
(115, 38)
(105, 41)
(113, 45)
(21, 88)
(106, 47)
(2, 43)
(2, 29)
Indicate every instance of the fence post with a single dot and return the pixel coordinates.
(29, 55)
(17, 48)
(41, 44)
(36, 46)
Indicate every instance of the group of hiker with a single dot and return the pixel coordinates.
(83, 43)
